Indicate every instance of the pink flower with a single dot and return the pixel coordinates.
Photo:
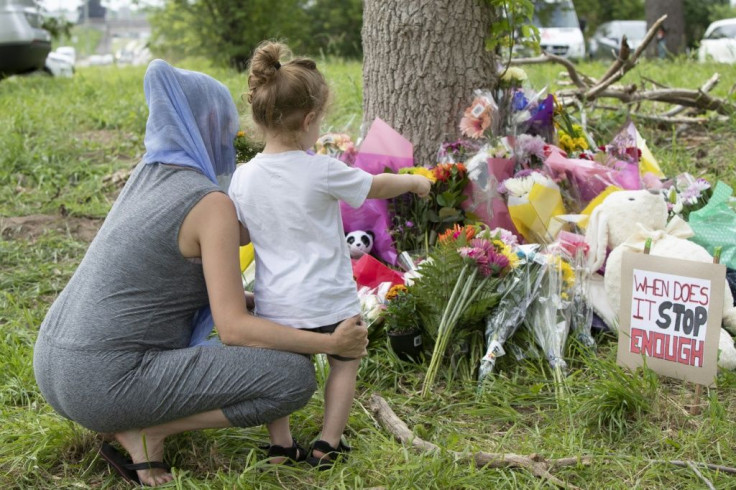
(484, 254)
(474, 127)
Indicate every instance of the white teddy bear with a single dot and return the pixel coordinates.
(623, 214)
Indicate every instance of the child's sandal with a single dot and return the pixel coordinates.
(294, 453)
(330, 454)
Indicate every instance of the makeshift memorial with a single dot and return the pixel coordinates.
(472, 268)
(505, 319)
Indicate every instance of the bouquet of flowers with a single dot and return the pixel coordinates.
(417, 222)
(534, 200)
(687, 194)
(548, 317)
(336, 145)
(476, 267)
(505, 319)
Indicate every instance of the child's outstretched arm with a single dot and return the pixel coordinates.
(386, 186)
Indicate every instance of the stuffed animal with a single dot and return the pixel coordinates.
(360, 243)
(623, 222)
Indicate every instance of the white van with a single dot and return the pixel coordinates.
(559, 28)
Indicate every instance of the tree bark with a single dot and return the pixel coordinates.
(422, 60)
(674, 25)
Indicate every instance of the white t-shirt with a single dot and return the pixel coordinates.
(289, 202)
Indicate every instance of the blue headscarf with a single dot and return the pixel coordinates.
(192, 121)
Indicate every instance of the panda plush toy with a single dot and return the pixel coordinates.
(360, 243)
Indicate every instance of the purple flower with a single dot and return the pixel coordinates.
(519, 101)
(409, 224)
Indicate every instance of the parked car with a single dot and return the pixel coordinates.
(559, 28)
(606, 41)
(24, 44)
(719, 42)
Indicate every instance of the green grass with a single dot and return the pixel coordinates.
(64, 136)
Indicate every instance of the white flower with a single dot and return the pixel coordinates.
(514, 75)
(520, 186)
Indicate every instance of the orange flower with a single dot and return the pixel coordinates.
(394, 291)
(456, 232)
(240, 134)
(442, 172)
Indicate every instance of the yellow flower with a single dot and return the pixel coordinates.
(240, 134)
(566, 142)
(580, 143)
(507, 251)
(394, 291)
(425, 172)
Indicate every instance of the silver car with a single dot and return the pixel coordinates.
(24, 44)
(606, 41)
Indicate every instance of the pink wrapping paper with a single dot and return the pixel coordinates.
(382, 147)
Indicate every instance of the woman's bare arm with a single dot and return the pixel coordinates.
(214, 226)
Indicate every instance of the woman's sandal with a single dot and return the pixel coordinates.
(124, 466)
(330, 454)
(294, 453)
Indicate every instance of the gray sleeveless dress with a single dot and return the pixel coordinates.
(112, 352)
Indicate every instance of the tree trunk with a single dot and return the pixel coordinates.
(422, 60)
(674, 24)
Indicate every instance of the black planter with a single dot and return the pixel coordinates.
(407, 345)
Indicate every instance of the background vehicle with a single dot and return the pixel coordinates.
(606, 40)
(719, 42)
(559, 28)
(24, 45)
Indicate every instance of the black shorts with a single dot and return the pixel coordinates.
(330, 329)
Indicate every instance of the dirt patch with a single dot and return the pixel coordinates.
(33, 226)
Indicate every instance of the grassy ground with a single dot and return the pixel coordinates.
(66, 138)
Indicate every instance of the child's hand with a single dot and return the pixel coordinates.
(422, 185)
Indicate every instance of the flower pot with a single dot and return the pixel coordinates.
(407, 345)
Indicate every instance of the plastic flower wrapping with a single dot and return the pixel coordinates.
(548, 317)
(504, 321)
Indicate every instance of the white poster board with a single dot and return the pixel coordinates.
(670, 316)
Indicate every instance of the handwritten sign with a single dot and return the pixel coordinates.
(671, 316)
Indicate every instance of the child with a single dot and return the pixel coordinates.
(288, 205)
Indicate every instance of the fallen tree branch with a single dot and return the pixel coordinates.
(678, 119)
(705, 88)
(680, 96)
(536, 464)
(549, 57)
(624, 63)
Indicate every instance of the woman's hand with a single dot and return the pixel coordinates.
(350, 338)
